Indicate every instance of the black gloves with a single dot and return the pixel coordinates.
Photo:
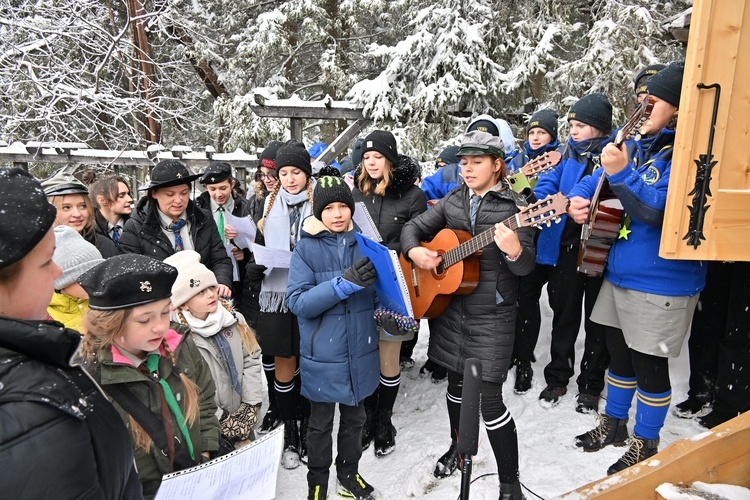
(362, 273)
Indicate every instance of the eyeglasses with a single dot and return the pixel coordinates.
(270, 175)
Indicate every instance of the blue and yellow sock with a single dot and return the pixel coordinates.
(651, 411)
(620, 391)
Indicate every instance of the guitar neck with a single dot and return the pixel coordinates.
(469, 247)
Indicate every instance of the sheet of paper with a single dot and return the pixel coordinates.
(366, 225)
(235, 270)
(244, 226)
(248, 473)
(272, 258)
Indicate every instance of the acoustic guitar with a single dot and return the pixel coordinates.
(602, 225)
(431, 290)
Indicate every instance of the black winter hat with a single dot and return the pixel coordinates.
(645, 74)
(448, 155)
(268, 155)
(169, 173)
(328, 190)
(25, 215)
(667, 83)
(126, 281)
(329, 171)
(294, 154)
(384, 143)
(593, 109)
(545, 119)
(216, 172)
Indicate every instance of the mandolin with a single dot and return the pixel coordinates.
(431, 290)
(602, 225)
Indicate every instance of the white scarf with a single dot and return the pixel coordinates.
(215, 322)
(277, 232)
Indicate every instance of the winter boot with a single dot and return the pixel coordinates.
(511, 491)
(290, 456)
(610, 430)
(639, 450)
(317, 492)
(385, 433)
(354, 486)
(524, 374)
(587, 403)
(448, 462)
(551, 395)
(691, 407)
(368, 429)
(270, 420)
(303, 423)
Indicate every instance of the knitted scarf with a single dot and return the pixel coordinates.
(277, 233)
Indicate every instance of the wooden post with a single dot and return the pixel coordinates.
(296, 128)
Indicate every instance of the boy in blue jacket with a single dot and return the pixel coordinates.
(327, 291)
(645, 302)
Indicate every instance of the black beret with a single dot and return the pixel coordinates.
(25, 214)
(216, 172)
(126, 281)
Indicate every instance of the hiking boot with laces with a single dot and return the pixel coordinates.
(447, 463)
(610, 430)
(639, 450)
(524, 374)
(587, 403)
(550, 396)
(354, 486)
(317, 492)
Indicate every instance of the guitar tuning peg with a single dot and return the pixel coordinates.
(549, 223)
(557, 220)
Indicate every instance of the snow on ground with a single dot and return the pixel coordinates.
(550, 465)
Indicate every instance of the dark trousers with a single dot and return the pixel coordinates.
(320, 441)
(568, 291)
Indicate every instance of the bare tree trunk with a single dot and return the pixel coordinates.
(146, 70)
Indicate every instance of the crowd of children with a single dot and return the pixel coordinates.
(146, 293)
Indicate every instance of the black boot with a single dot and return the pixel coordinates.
(368, 429)
(610, 430)
(290, 456)
(524, 374)
(511, 491)
(448, 462)
(385, 433)
(317, 492)
(303, 423)
(639, 450)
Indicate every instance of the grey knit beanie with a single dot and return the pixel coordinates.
(74, 255)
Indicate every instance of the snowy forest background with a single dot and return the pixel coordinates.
(122, 74)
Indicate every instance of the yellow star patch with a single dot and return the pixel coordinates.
(624, 232)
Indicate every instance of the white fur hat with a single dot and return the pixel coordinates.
(192, 276)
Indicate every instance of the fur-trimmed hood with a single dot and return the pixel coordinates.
(403, 175)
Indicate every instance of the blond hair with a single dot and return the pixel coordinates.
(57, 201)
(369, 186)
(100, 328)
(272, 198)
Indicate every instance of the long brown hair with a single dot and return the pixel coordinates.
(100, 328)
(368, 185)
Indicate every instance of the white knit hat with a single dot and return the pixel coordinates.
(74, 255)
(192, 276)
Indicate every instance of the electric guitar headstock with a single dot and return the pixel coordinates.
(544, 212)
(541, 163)
(639, 116)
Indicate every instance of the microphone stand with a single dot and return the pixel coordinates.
(468, 429)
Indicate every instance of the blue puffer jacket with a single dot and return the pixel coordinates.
(523, 157)
(338, 338)
(437, 185)
(561, 179)
(634, 261)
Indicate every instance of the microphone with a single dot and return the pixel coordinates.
(468, 427)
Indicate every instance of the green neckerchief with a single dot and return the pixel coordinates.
(152, 363)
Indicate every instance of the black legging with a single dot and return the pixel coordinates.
(651, 372)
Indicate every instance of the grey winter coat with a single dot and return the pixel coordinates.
(482, 324)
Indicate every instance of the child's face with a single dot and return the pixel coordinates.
(202, 303)
(73, 212)
(375, 164)
(122, 205)
(145, 328)
(580, 131)
(660, 117)
(292, 179)
(269, 177)
(220, 192)
(539, 137)
(480, 172)
(336, 217)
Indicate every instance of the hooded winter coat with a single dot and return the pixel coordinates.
(143, 234)
(338, 338)
(481, 324)
(59, 436)
(114, 368)
(403, 201)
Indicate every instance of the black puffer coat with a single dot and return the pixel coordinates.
(143, 235)
(403, 200)
(59, 436)
(102, 230)
(482, 324)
